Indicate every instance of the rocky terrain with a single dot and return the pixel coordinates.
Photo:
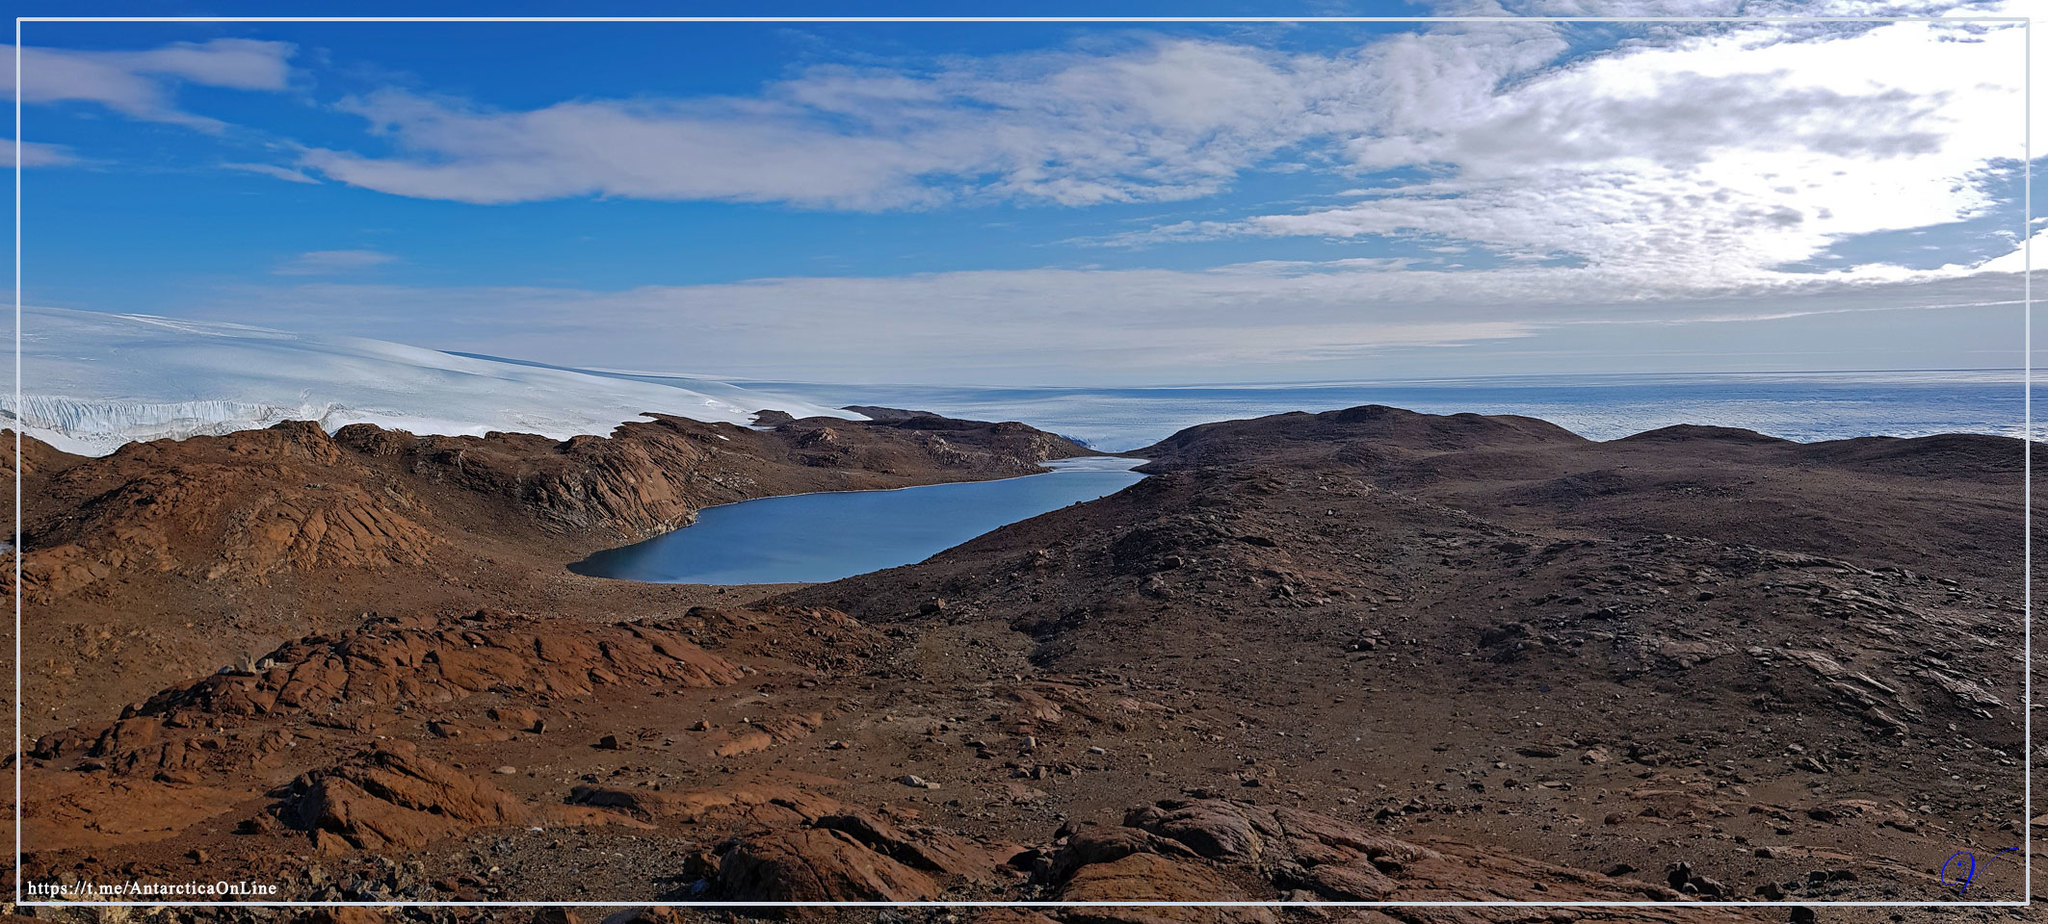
(1361, 656)
(169, 559)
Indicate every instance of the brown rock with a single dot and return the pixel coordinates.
(1095, 844)
(1212, 828)
(817, 864)
(392, 661)
(345, 915)
(517, 718)
(746, 743)
(781, 804)
(1009, 916)
(927, 849)
(1147, 877)
(655, 915)
(394, 797)
(1357, 882)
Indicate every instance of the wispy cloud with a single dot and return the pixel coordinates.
(139, 84)
(286, 174)
(1581, 180)
(1691, 166)
(1694, 158)
(1268, 320)
(35, 154)
(1171, 119)
(331, 262)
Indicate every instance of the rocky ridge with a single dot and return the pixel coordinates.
(173, 557)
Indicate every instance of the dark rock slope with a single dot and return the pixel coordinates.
(1681, 642)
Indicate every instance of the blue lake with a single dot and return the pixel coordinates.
(825, 537)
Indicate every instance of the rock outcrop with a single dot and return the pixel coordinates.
(290, 499)
(649, 478)
(244, 506)
(1192, 850)
(394, 797)
(851, 856)
(168, 558)
(387, 662)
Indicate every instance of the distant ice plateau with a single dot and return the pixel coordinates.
(92, 381)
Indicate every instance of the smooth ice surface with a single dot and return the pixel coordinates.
(92, 381)
(825, 537)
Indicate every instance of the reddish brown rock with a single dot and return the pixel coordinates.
(1214, 829)
(925, 848)
(345, 915)
(1095, 844)
(390, 660)
(1351, 883)
(1009, 916)
(173, 557)
(96, 810)
(770, 804)
(1210, 849)
(246, 505)
(1147, 877)
(649, 477)
(817, 864)
(394, 797)
(853, 856)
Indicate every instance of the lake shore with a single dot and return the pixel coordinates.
(825, 536)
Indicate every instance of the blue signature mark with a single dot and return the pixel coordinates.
(1963, 884)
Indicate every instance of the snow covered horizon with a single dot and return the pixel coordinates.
(91, 382)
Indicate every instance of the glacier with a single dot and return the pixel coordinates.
(93, 381)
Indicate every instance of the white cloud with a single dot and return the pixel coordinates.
(1691, 167)
(1267, 320)
(1169, 120)
(1694, 158)
(35, 154)
(1677, 173)
(138, 83)
(286, 174)
(329, 262)
(2014, 262)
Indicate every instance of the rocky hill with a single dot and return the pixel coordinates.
(1681, 645)
(1361, 656)
(169, 559)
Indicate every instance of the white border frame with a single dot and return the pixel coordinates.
(2026, 718)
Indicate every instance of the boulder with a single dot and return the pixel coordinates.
(1149, 877)
(817, 865)
(1211, 828)
(395, 797)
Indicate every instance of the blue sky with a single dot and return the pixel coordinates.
(1052, 203)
